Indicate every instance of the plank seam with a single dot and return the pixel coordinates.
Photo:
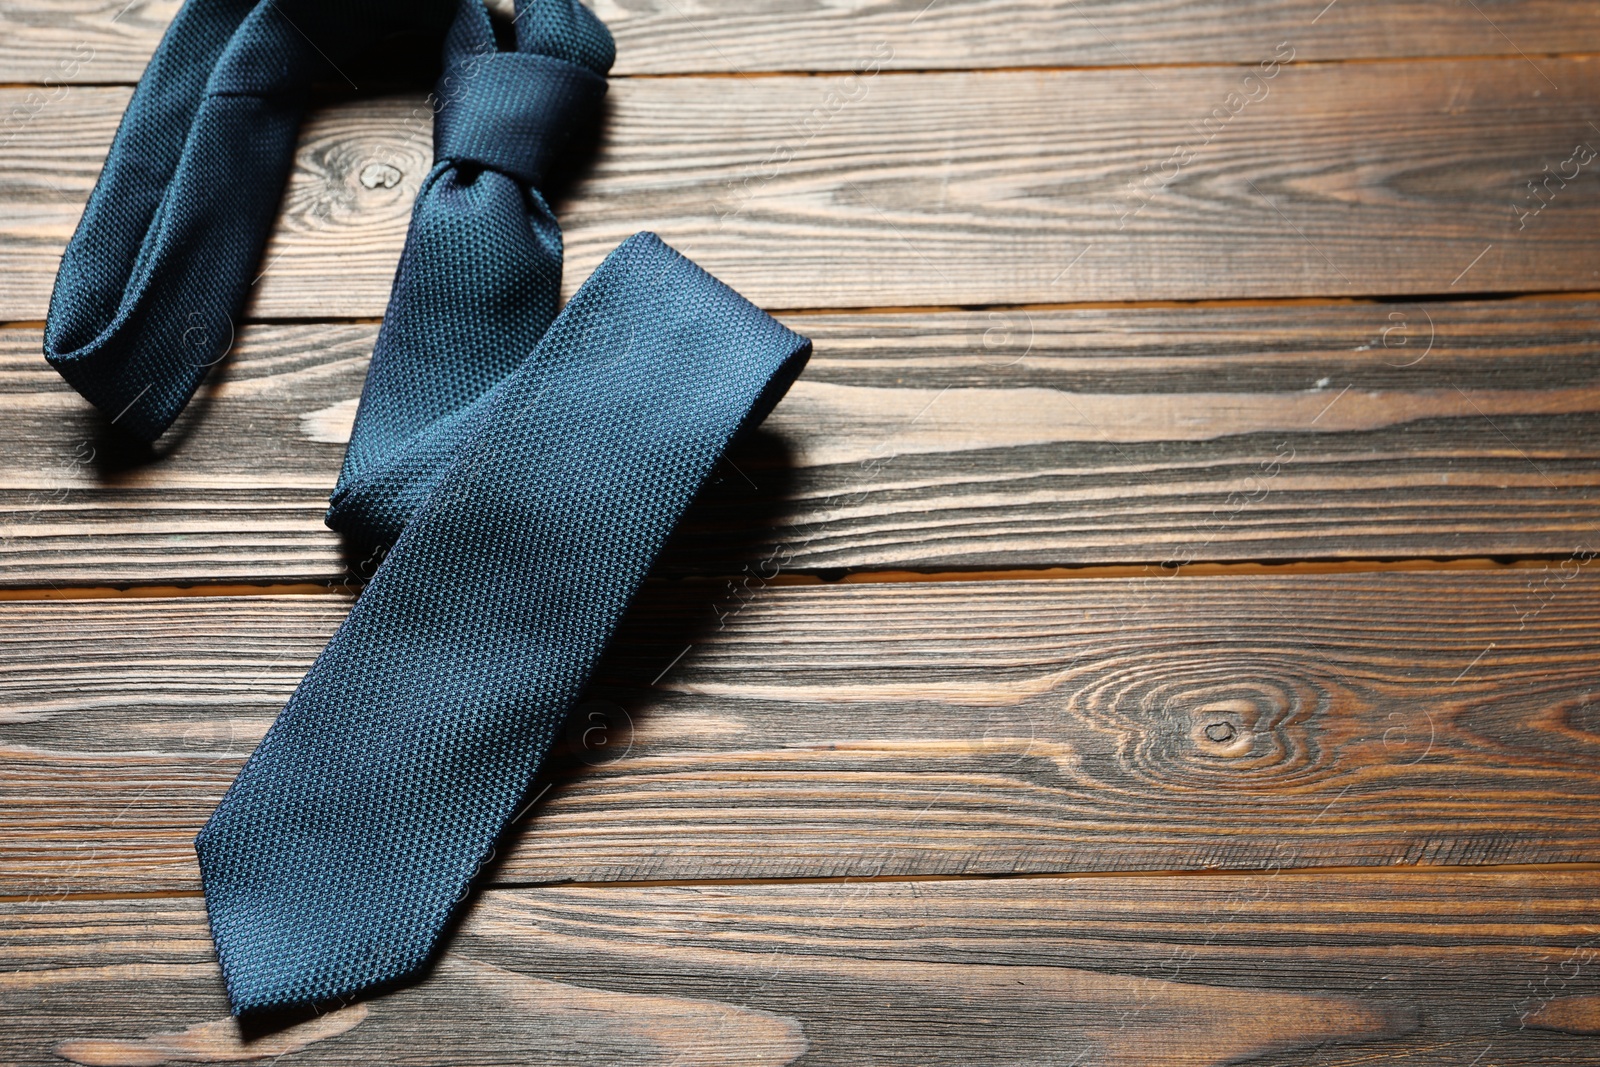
(1410, 870)
(1367, 300)
(826, 576)
(1044, 68)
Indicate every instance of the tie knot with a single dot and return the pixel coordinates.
(513, 112)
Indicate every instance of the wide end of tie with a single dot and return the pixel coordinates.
(292, 935)
(334, 862)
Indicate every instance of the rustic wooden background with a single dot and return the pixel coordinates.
(1159, 629)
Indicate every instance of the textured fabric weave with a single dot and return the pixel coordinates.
(154, 278)
(525, 467)
(481, 272)
(336, 857)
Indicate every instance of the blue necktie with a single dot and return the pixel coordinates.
(526, 468)
(337, 855)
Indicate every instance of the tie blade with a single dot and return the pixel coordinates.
(337, 856)
(290, 937)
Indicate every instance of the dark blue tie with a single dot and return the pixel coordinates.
(336, 857)
(526, 472)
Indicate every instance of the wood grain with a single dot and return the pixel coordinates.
(1274, 969)
(1051, 822)
(858, 730)
(1142, 435)
(958, 189)
(75, 41)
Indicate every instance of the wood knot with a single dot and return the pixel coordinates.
(1222, 727)
(380, 176)
(1211, 720)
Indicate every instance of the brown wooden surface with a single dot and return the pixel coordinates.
(954, 188)
(1308, 775)
(923, 440)
(896, 729)
(66, 42)
(1272, 969)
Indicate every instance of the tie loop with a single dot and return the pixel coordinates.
(513, 112)
(170, 242)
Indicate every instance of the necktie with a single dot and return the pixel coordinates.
(335, 859)
(526, 468)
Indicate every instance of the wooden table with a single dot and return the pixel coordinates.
(1159, 628)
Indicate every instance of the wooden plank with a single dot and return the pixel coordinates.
(1123, 435)
(1189, 971)
(58, 42)
(660, 36)
(858, 730)
(960, 189)
(83, 504)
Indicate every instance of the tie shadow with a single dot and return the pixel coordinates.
(117, 453)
